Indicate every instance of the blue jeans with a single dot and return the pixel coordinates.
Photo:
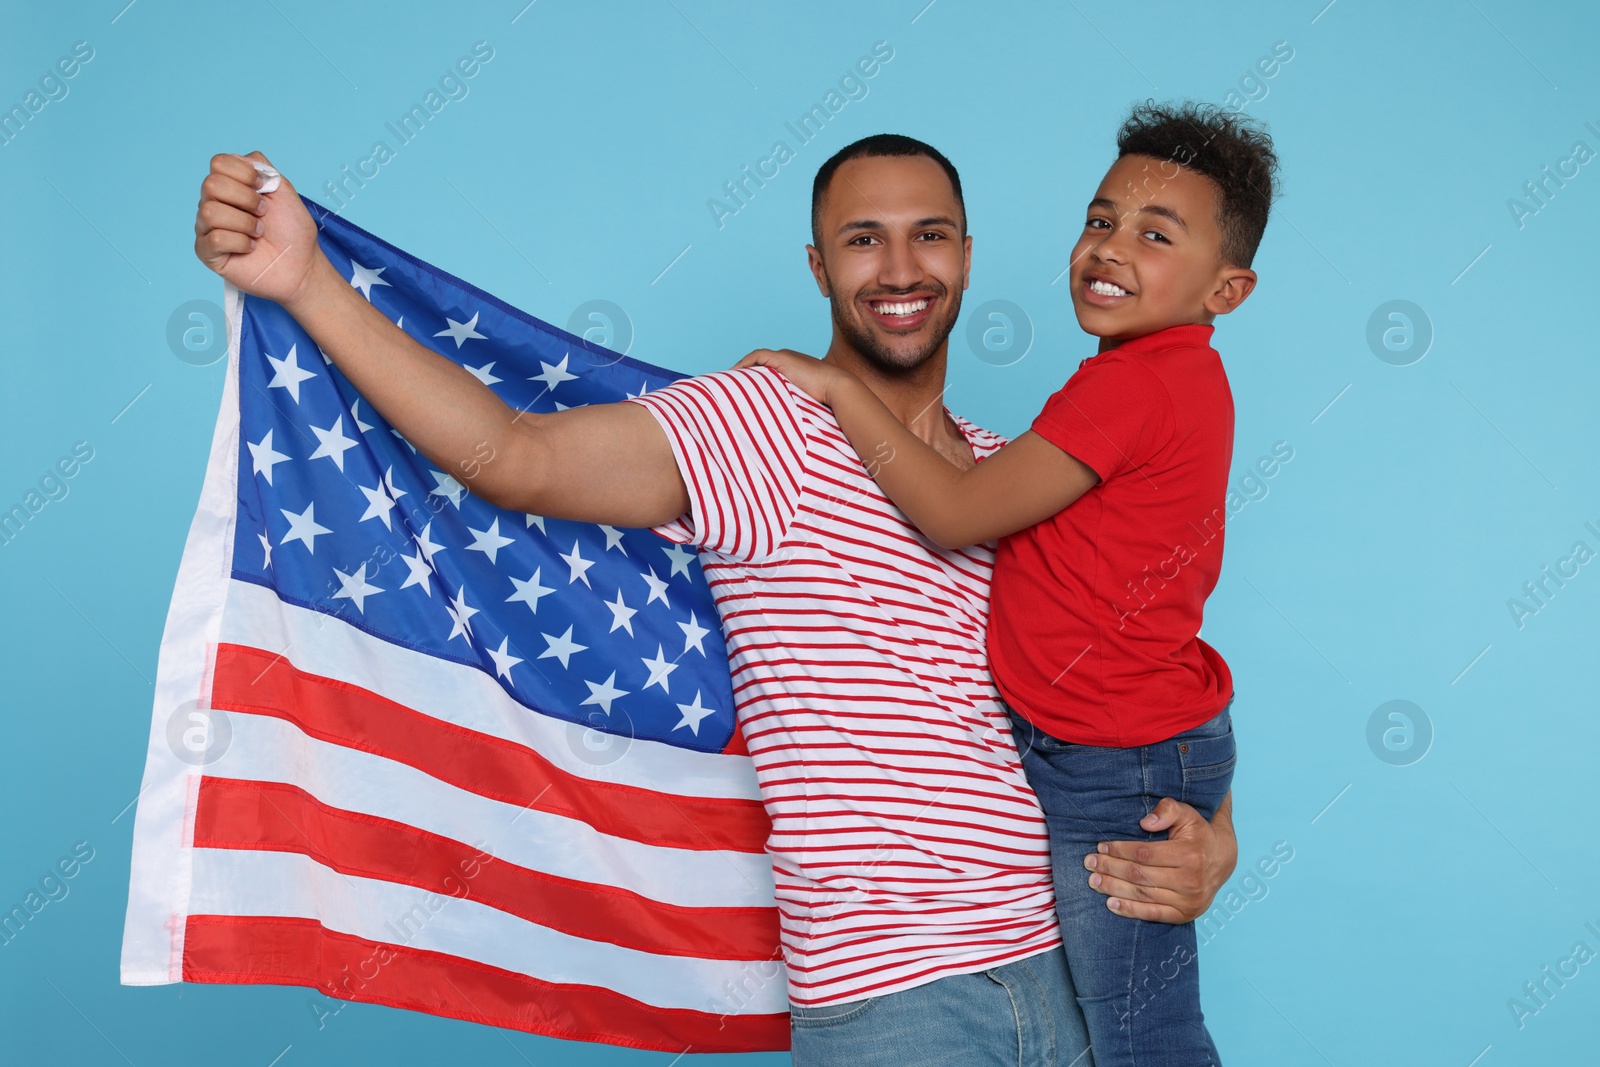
(1137, 982)
(1022, 1014)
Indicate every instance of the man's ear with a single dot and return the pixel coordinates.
(818, 271)
(1233, 285)
(966, 266)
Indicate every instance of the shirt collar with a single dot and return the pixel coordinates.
(1185, 335)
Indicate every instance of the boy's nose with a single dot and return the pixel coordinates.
(1109, 251)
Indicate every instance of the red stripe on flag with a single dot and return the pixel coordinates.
(277, 817)
(279, 950)
(259, 682)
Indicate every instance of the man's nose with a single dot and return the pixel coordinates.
(901, 267)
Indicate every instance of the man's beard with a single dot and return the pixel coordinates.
(871, 347)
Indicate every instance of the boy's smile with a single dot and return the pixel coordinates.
(1150, 254)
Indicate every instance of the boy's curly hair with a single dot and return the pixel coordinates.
(1231, 149)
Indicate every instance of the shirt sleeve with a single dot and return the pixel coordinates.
(741, 448)
(1111, 415)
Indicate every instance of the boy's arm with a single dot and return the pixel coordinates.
(607, 463)
(1171, 881)
(1027, 481)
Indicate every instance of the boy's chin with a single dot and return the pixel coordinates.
(1098, 322)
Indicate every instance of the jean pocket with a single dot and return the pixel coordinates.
(1028, 736)
(1206, 757)
(829, 1014)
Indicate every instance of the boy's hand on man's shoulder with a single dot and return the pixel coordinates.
(1171, 881)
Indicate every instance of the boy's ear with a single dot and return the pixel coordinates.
(1233, 285)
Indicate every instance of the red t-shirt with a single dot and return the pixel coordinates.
(1095, 612)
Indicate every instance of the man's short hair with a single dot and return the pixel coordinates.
(878, 145)
(1232, 149)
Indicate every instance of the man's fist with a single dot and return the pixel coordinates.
(265, 245)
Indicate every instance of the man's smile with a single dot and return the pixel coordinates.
(901, 313)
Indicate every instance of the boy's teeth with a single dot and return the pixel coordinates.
(1107, 289)
(906, 308)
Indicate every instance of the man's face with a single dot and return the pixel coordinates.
(1150, 255)
(892, 258)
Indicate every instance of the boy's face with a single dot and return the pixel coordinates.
(1151, 253)
(892, 258)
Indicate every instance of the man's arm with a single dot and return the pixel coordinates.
(608, 463)
(1171, 881)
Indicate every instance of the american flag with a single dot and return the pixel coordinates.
(414, 749)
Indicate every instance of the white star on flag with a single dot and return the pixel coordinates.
(503, 660)
(603, 693)
(580, 566)
(613, 539)
(334, 443)
(425, 543)
(447, 487)
(263, 458)
(692, 714)
(660, 667)
(562, 648)
(355, 416)
(461, 615)
(529, 592)
(379, 503)
(303, 527)
(286, 373)
(621, 615)
(680, 560)
(355, 587)
(658, 589)
(364, 279)
(460, 332)
(484, 373)
(420, 572)
(554, 376)
(693, 633)
(489, 541)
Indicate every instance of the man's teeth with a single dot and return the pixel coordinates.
(1107, 289)
(907, 308)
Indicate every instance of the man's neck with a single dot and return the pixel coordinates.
(914, 396)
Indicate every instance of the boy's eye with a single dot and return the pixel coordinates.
(1157, 235)
(1096, 224)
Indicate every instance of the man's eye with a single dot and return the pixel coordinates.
(931, 235)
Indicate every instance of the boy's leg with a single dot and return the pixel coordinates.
(1021, 1013)
(1137, 981)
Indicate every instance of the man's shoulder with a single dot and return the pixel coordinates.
(740, 388)
(983, 441)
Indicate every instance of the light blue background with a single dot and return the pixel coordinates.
(1377, 567)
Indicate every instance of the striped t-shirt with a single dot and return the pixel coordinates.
(906, 844)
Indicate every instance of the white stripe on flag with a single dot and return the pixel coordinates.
(268, 749)
(230, 882)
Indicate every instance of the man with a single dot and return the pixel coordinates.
(910, 858)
